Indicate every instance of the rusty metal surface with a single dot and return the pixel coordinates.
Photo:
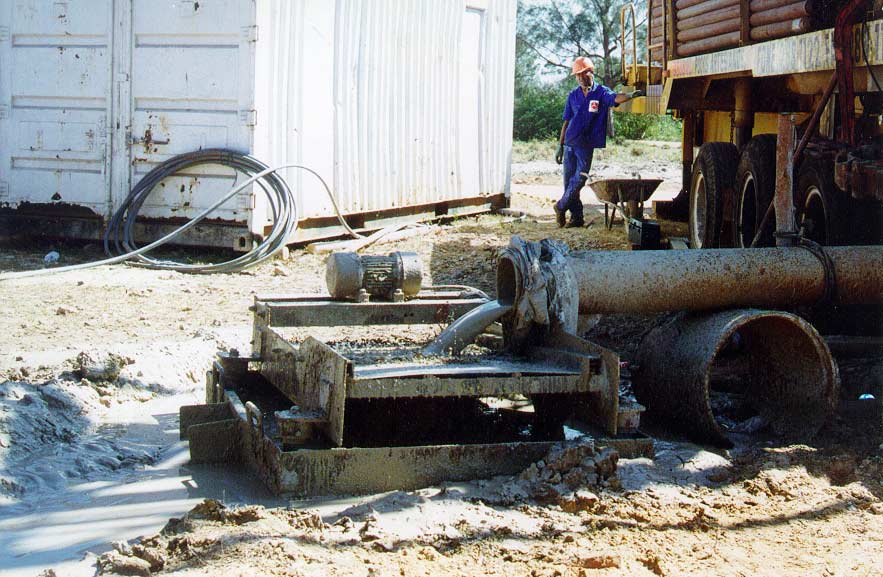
(709, 43)
(323, 375)
(241, 436)
(704, 7)
(602, 408)
(216, 441)
(779, 14)
(373, 470)
(313, 376)
(783, 199)
(322, 311)
(362, 470)
(471, 385)
(699, 22)
(790, 378)
(616, 190)
(190, 415)
(780, 29)
(778, 277)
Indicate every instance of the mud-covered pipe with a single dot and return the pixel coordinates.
(712, 375)
(673, 280)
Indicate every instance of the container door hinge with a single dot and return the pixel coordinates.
(4, 33)
(4, 189)
(250, 33)
(4, 111)
(248, 117)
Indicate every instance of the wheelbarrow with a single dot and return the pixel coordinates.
(628, 194)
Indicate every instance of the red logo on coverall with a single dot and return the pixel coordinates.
(593, 106)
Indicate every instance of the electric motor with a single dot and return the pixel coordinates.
(392, 277)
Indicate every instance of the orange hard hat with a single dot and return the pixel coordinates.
(581, 64)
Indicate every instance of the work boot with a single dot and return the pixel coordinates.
(575, 224)
(560, 216)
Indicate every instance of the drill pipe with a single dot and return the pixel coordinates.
(658, 281)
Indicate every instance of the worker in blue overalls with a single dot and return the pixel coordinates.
(584, 130)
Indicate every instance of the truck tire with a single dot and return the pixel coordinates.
(755, 189)
(714, 174)
(822, 216)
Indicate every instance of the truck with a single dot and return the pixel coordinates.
(781, 103)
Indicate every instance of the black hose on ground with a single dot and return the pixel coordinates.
(119, 236)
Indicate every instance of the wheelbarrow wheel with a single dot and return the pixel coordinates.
(714, 174)
(755, 187)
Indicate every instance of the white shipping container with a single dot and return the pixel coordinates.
(403, 106)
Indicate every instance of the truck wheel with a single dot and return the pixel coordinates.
(821, 218)
(755, 189)
(714, 173)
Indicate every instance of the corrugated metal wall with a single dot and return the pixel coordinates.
(54, 100)
(395, 103)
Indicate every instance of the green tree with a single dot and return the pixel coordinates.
(551, 33)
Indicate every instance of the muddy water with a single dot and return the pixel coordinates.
(464, 330)
(58, 521)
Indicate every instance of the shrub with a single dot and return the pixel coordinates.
(538, 113)
(630, 126)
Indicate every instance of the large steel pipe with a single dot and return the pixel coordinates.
(774, 15)
(700, 32)
(780, 29)
(744, 371)
(704, 7)
(764, 5)
(708, 44)
(673, 280)
(708, 18)
(785, 369)
(669, 280)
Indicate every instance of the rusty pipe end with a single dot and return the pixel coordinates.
(509, 279)
(717, 376)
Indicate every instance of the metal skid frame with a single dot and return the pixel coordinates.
(300, 450)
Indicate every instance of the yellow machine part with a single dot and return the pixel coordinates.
(718, 125)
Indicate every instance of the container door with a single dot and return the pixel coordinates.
(54, 86)
(191, 88)
(470, 145)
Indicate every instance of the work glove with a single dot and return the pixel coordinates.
(636, 94)
(559, 156)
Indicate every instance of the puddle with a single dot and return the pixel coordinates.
(54, 524)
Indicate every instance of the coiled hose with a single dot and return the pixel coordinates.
(118, 237)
